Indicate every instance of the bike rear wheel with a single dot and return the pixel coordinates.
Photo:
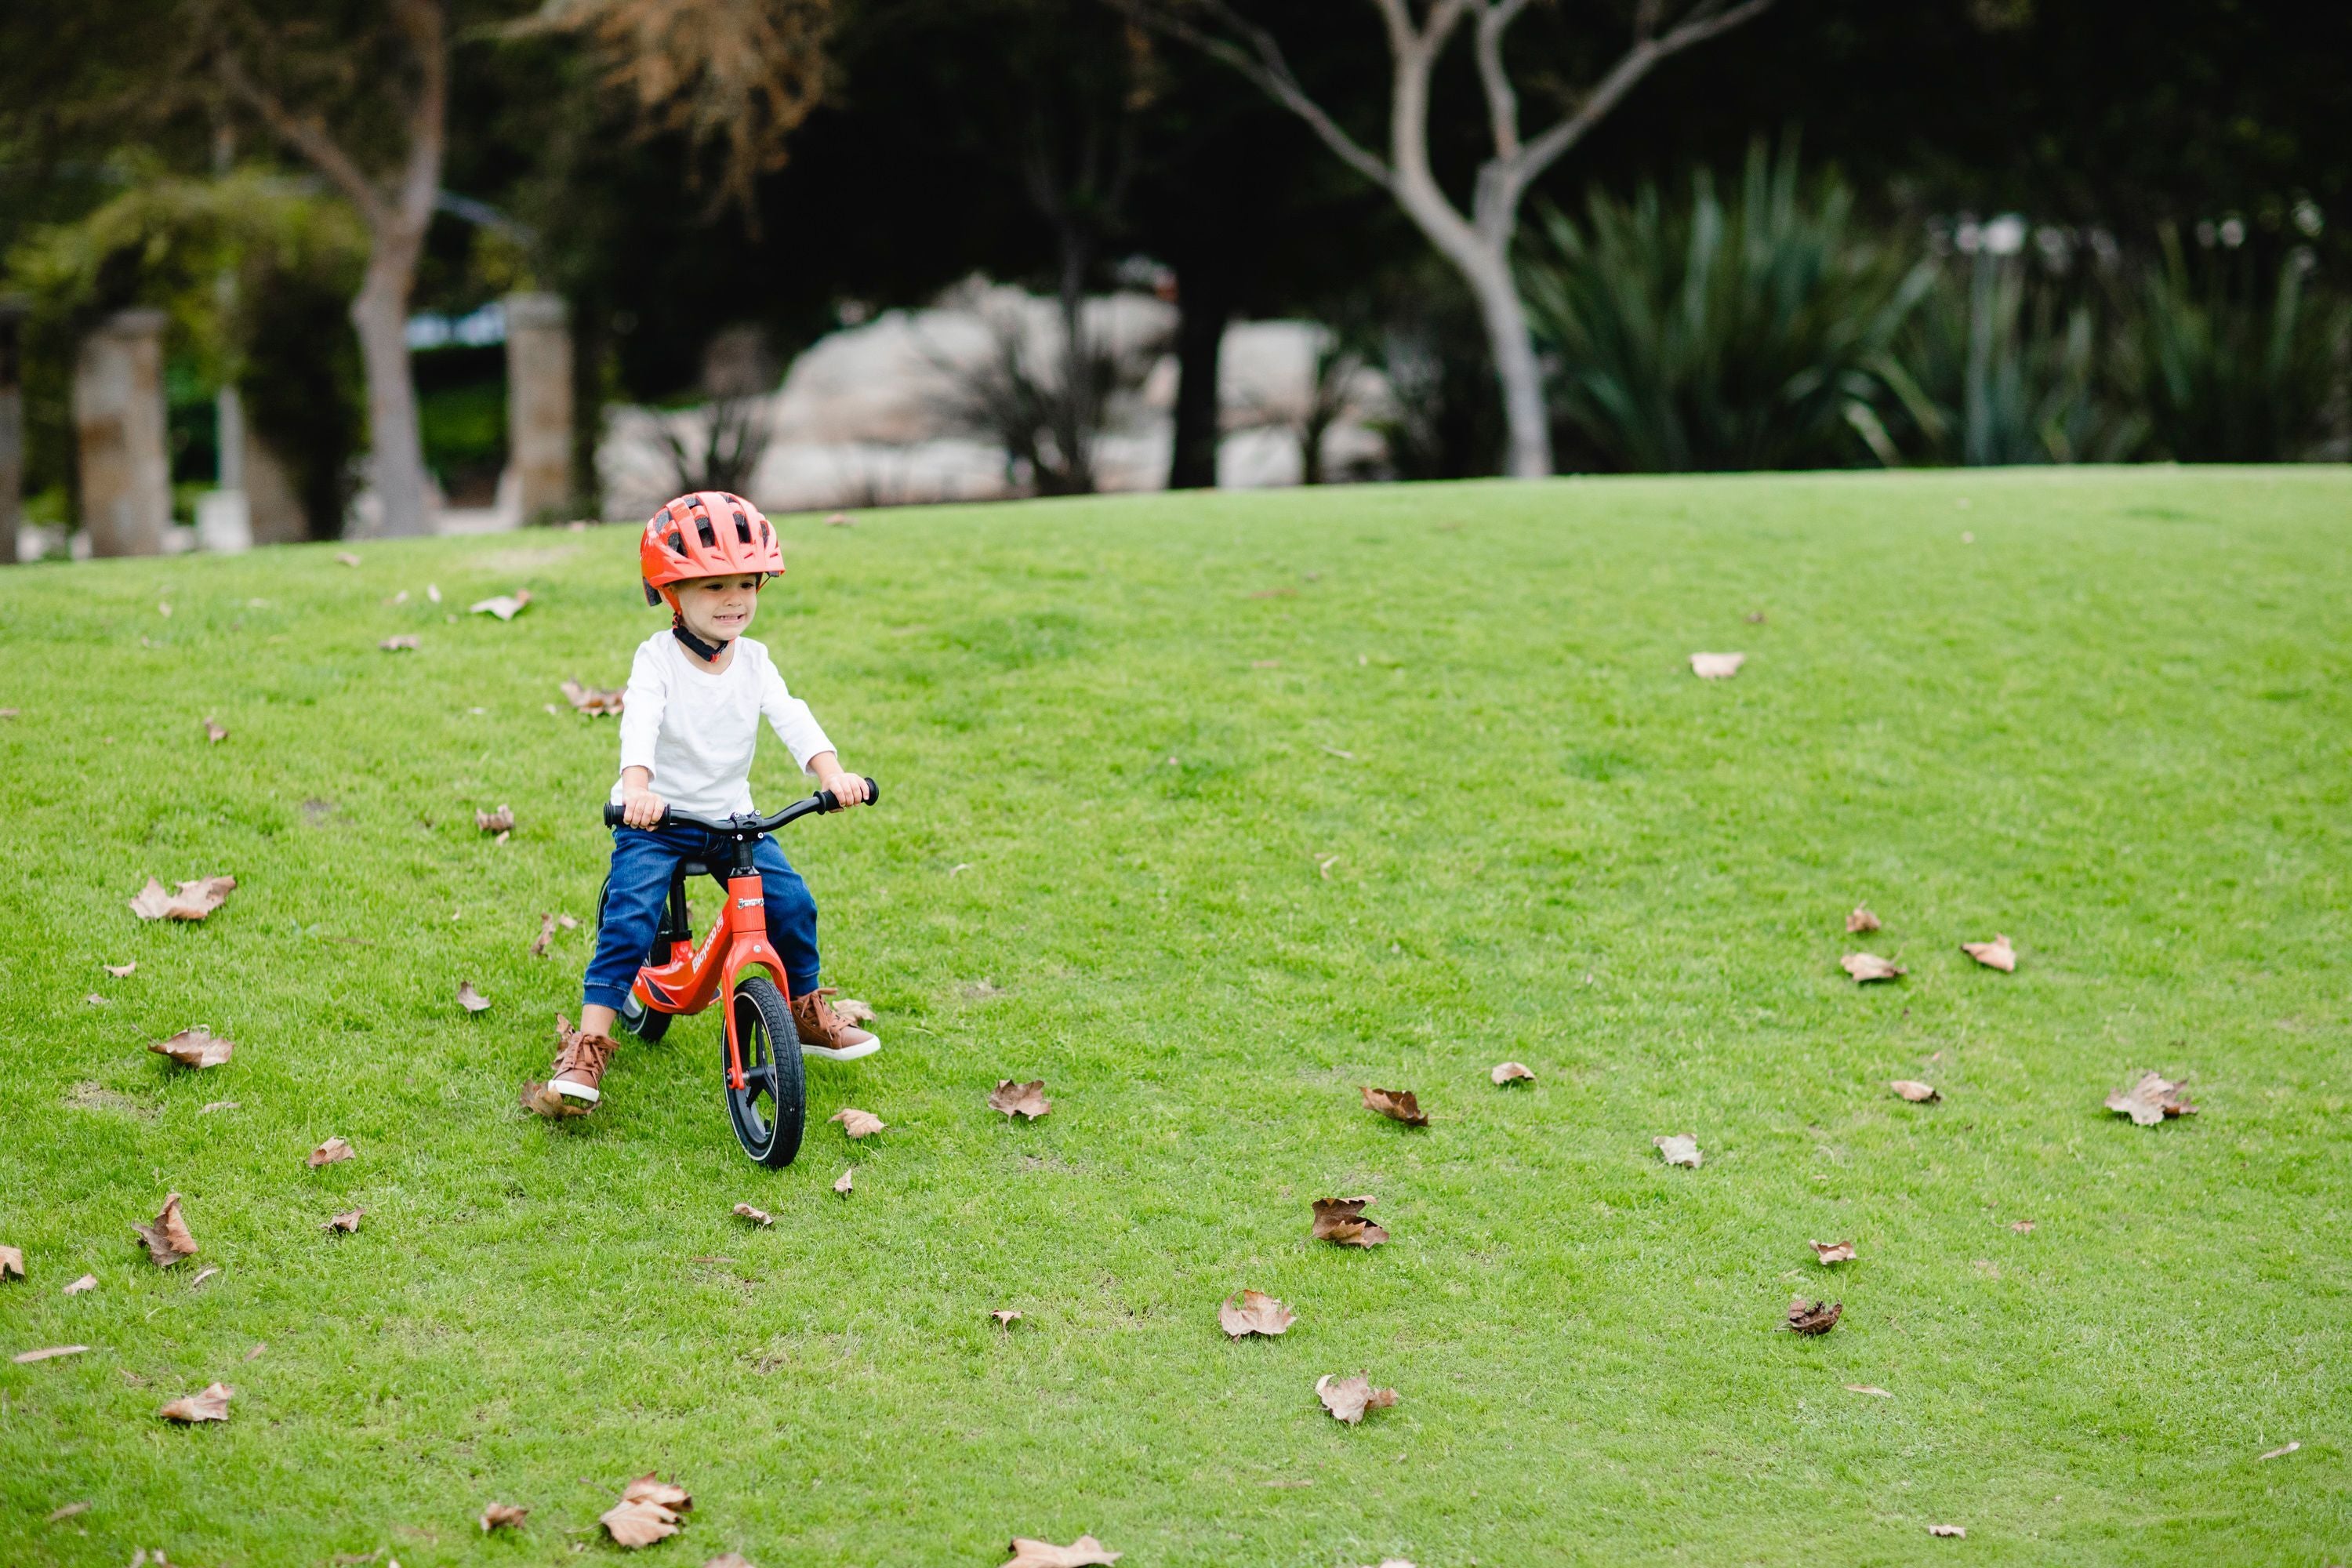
(647, 1023)
(769, 1111)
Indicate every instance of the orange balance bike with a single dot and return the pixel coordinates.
(767, 1102)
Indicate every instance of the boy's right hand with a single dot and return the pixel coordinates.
(641, 807)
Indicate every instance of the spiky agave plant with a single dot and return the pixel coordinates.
(1710, 335)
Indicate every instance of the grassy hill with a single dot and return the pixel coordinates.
(1208, 810)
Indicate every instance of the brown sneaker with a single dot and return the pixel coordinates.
(825, 1033)
(570, 1088)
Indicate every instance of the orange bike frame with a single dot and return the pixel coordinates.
(691, 981)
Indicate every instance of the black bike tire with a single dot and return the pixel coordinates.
(648, 1024)
(759, 1005)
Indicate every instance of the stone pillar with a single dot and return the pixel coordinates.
(539, 404)
(117, 406)
(13, 310)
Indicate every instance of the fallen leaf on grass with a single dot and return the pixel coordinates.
(1994, 954)
(592, 701)
(1869, 966)
(48, 1352)
(213, 1105)
(729, 1560)
(214, 733)
(471, 1000)
(651, 1487)
(1510, 1072)
(255, 1353)
(857, 1123)
(638, 1523)
(195, 1048)
(329, 1152)
(546, 935)
(1955, 1531)
(194, 901)
(841, 519)
(1342, 1220)
(506, 606)
(844, 1185)
(1861, 920)
(203, 1275)
(347, 558)
(1005, 1317)
(406, 643)
(212, 1405)
(12, 1263)
(1813, 1317)
(95, 1000)
(346, 1222)
(1347, 1399)
(1717, 666)
(1323, 864)
(2281, 1452)
(1021, 1099)
(2021, 1226)
(68, 1511)
(1086, 1552)
(853, 1011)
(1833, 1251)
(1257, 1313)
(120, 971)
(503, 1516)
(498, 821)
(1679, 1149)
(1870, 1388)
(757, 1216)
(1397, 1105)
(2150, 1100)
(87, 1282)
(1914, 1091)
(167, 1238)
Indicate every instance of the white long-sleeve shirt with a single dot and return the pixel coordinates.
(697, 731)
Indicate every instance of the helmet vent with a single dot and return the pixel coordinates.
(742, 528)
(702, 526)
(765, 536)
(678, 544)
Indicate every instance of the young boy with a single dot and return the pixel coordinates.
(688, 726)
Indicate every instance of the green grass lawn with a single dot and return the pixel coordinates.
(2105, 712)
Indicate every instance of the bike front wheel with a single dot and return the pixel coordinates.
(769, 1111)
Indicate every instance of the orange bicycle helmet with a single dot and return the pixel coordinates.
(709, 533)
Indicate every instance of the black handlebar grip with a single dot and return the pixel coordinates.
(613, 818)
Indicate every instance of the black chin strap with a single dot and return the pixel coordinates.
(707, 652)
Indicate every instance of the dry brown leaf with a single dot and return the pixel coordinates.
(471, 1000)
(1679, 1149)
(502, 1516)
(1868, 966)
(1833, 1251)
(1870, 1388)
(2281, 1452)
(1021, 1099)
(1912, 1089)
(858, 1123)
(1994, 954)
(212, 1405)
(757, 1216)
(347, 558)
(1005, 1317)
(1396, 1104)
(255, 1353)
(213, 1105)
(214, 733)
(121, 971)
(195, 1048)
(841, 519)
(498, 821)
(638, 1523)
(854, 1011)
(400, 644)
(1086, 1552)
(203, 1275)
(844, 1185)
(12, 1263)
(87, 1282)
(95, 1000)
(1349, 1397)
(194, 901)
(1256, 1314)
(167, 1238)
(651, 1487)
(1717, 666)
(1861, 920)
(546, 935)
(592, 701)
(2150, 1100)
(1813, 1317)
(506, 606)
(728, 1560)
(68, 1511)
(346, 1222)
(541, 1101)
(1955, 1531)
(2021, 1226)
(1342, 1220)
(332, 1149)
(49, 1352)
(1510, 1072)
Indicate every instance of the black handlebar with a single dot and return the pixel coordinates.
(822, 801)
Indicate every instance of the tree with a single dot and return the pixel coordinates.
(1477, 244)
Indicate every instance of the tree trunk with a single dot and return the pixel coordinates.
(1513, 346)
(396, 452)
(1204, 307)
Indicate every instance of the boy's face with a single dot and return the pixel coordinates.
(718, 609)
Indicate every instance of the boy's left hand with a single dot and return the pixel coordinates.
(847, 788)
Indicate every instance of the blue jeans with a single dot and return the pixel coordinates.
(644, 861)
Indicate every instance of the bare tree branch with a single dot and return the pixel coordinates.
(421, 22)
(1502, 102)
(306, 135)
(1262, 63)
